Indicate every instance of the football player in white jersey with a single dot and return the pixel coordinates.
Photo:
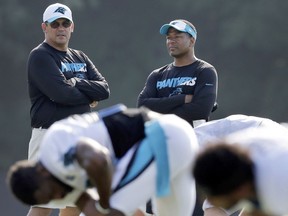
(246, 169)
(128, 155)
(216, 130)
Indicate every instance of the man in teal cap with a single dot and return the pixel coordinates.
(186, 87)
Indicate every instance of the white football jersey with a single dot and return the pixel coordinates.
(269, 151)
(58, 148)
(219, 128)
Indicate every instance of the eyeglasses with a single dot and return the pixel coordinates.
(55, 24)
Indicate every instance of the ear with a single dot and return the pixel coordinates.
(245, 190)
(43, 26)
(72, 27)
(42, 170)
(192, 40)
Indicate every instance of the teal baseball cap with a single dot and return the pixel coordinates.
(180, 26)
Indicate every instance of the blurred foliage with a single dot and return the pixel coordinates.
(244, 40)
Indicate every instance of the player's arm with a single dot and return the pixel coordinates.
(95, 160)
(94, 86)
(204, 97)
(149, 98)
(46, 75)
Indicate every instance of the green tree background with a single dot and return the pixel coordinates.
(245, 40)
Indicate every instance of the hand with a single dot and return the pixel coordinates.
(93, 104)
(71, 81)
(102, 210)
(188, 98)
(188, 86)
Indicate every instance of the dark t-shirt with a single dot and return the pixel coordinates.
(61, 83)
(166, 87)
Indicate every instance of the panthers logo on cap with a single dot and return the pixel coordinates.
(60, 10)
